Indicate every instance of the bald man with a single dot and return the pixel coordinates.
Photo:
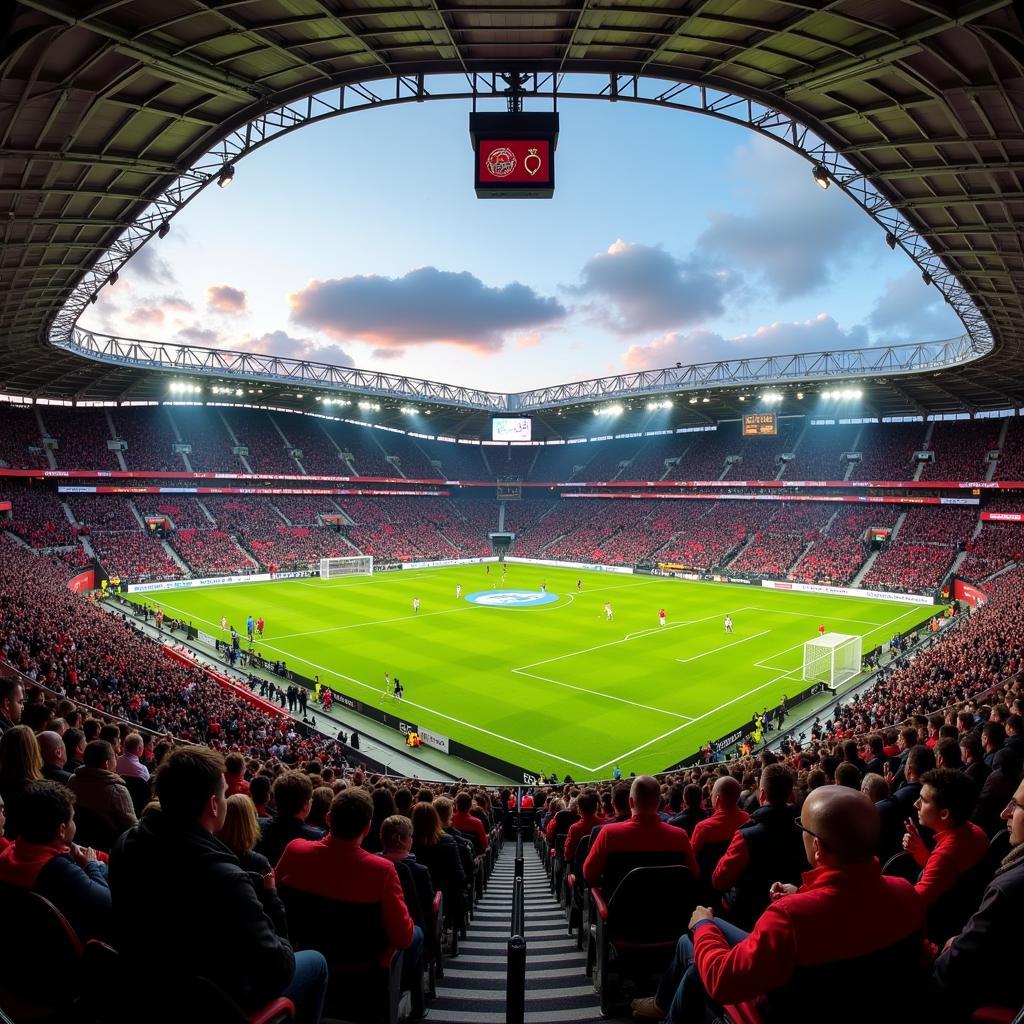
(844, 909)
(725, 818)
(55, 755)
(644, 832)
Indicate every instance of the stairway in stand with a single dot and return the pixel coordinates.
(557, 989)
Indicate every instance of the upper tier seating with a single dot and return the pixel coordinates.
(82, 436)
(21, 433)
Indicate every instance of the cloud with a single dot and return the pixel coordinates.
(175, 304)
(222, 298)
(910, 310)
(529, 340)
(795, 235)
(280, 343)
(146, 315)
(425, 305)
(643, 288)
(388, 353)
(199, 335)
(820, 333)
(149, 266)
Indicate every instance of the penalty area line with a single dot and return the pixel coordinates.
(724, 647)
(598, 693)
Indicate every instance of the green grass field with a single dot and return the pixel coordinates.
(554, 687)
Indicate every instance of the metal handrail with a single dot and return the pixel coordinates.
(515, 976)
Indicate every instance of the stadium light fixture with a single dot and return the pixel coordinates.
(93, 297)
(226, 176)
(163, 230)
(112, 279)
(890, 240)
(926, 277)
(799, 394)
(693, 401)
(239, 392)
(743, 398)
(705, 400)
(821, 176)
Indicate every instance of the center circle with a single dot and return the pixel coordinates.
(511, 598)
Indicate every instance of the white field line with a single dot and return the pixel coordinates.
(725, 647)
(384, 578)
(810, 615)
(686, 725)
(440, 714)
(378, 622)
(629, 636)
(598, 693)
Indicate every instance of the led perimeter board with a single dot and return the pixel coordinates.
(514, 155)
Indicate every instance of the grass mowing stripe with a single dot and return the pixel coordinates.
(724, 647)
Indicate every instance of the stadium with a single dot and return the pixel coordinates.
(330, 693)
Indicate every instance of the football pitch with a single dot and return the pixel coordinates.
(550, 686)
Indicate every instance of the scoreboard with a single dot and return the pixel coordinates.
(760, 424)
(514, 154)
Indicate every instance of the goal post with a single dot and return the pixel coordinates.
(355, 565)
(833, 658)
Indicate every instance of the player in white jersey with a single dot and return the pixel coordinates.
(387, 686)
(608, 611)
(458, 591)
(415, 606)
(224, 623)
(728, 624)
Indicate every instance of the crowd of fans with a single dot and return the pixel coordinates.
(255, 430)
(909, 568)
(134, 557)
(820, 452)
(211, 552)
(150, 438)
(81, 435)
(996, 546)
(960, 449)
(21, 442)
(887, 451)
(38, 518)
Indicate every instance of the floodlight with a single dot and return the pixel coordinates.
(890, 240)
(163, 230)
(821, 176)
(826, 395)
(926, 277)
(226, 176)
(93, 297)
(113, 277)
(799, 394)
(693, 401)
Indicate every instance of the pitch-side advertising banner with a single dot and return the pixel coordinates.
(820, 588)
(213, 581)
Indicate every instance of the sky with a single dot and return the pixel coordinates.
(672, 237)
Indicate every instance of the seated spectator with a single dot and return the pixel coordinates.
(439, 854)
(981, 966)
(338, 868)
(239, 834)
(764, 850)
(584, 825)
(973, 758)
(235, 771)
(844, 909)
(897, 808)
(692, 813)
(445, 809)
(54, 755)
(323, 796)
(396, 835)
(98, 788)
(384, 807)
(947, 754)
(20, 764)
(259, 791)
(293, 797)
(874, 787)
(718, 829)
(645, 832)
(173, 860)
(129, 763)
(45, 859)
(12, 701)
(997, 790)
(74, 746)
(467, 823)
(946, 801)
(847, 775)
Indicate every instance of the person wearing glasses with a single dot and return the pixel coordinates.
(981, 965)
(845, 909)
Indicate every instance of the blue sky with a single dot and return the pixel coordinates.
(671, 237)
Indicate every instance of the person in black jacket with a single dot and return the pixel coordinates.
(692, 812)
(293, 797)
(897, 808)
(212, 922)
(45, 859)
(981, 965)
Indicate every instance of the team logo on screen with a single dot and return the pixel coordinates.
(532, 162)
(511, 598)
(501, 162)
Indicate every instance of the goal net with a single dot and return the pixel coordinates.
(832, 658)
(356, 565)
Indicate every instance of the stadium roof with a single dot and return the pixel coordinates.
(103, 111)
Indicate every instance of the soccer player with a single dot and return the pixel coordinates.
(579, 585)
(661, 617)
(415, 610)
(223, 623)
(399, 689)
(728, 624)
(543, 586)
(250, 626)
(821, 629)
(458, 591)
(259, 626)
(487, 570)
(608, 611)
(387, 686)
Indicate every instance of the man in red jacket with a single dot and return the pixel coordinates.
(465, 822)
(725, 818)
(844, 909)
(644, 832)
(584, 825)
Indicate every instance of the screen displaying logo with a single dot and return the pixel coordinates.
(511, 598)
